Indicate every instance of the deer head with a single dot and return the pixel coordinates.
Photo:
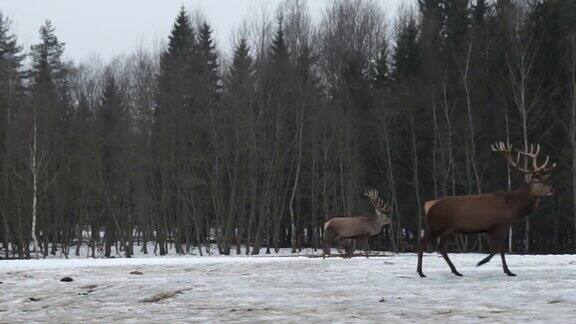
(381, 208)
(535, 175)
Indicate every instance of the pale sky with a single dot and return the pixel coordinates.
(114, 27)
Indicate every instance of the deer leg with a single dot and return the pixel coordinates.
(442, 248)
(486, 259)
(422, 245)
(363, 241)
(497, 246)
(330, 236)
(493, 251)
(505, 266)
(349, 248)
(499, 237)
(345, 245)
(339, 245)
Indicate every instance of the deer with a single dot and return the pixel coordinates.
(491, 213)
(357, 227)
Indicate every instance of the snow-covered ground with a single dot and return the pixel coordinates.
(288, 289)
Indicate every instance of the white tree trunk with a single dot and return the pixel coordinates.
(508, 177)
(34, 166)
(293, 233)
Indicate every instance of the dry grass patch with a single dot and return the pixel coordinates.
(162, 296)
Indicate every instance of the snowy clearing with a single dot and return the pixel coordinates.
(288, 289)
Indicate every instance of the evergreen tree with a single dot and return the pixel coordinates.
(279, 64)
(208, 57)
(380, 73)
(175, 65)
(49, 125)
(279, 56)
(48, 69)
(173, 126)
(181, 39)
(407, 54)
(112, 131)
(480, 12)
(456, 25)
(241, 73)
(10, 95)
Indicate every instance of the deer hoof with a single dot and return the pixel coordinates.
(457, 273)
(421, 274)
(510, 274)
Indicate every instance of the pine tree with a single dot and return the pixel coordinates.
(208, 57)
(112, 129)
(10, 93)
(50, 124)
(480, 12)
(241, 72)
(172, 123)
(175, 65)
(47, 66)
(181, 39)
(379, 71)
(406, 57)
(456, 24)
(279, 56)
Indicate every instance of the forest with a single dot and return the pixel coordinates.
(185, 146)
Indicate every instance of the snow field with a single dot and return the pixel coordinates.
(288, 289)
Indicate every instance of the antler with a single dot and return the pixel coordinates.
(506, 151)
(376, 202)
(532, 153)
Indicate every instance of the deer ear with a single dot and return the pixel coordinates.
(528, 177)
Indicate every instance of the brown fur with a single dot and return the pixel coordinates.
(355, 227)
(491, 213)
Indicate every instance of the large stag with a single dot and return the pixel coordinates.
(491, 213)
(359, 228)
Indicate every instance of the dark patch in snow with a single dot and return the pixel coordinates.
(136, 272)
(86, 292)
(382, 300)
(32, 299)
(89, 287)
(66, 279)
(554, 301)
(444, 312)
(163, 295)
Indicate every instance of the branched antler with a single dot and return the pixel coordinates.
(375, 200)
(532, 153)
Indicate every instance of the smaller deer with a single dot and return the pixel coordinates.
(357, 227)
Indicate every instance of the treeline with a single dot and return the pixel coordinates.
(186, 147)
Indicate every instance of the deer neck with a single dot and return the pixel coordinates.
(524, 200)
(380, 220)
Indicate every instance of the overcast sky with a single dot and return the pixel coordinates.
(112, 27)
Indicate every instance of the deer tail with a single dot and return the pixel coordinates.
(428, 204)
(326, 224)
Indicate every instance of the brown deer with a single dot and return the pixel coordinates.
(359, 228)
(491, 213)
